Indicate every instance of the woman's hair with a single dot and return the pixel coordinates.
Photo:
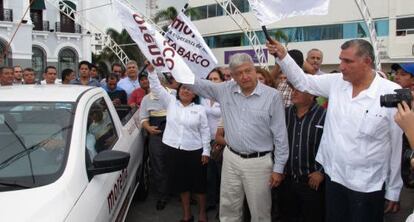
(220, 73)
(195, 100)
(269, 81)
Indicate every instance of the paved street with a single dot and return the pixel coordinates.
(145, 211)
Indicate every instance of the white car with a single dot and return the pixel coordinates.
(65, 155)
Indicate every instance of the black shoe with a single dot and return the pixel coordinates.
(161, 204)
(189, 220)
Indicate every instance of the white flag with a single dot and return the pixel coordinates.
(270, 11)
(184, 37)
(153, 45)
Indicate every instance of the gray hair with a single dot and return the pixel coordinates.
(314, 50)
(132, 62)
(238, 59)
(364, 48)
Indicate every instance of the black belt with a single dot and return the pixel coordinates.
(249, 155)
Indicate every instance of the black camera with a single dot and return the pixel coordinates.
(392, 100)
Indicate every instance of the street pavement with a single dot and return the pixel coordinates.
(144, 211)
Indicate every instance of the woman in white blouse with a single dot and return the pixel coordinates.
(187, 136)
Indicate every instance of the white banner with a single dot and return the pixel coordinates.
(184, 37)
(153, 45)
(270, 11)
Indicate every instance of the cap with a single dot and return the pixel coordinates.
(407, 67)
(142, 75)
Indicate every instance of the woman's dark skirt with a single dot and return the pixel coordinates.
(185, 170)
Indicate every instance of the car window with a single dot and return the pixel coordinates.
(34, 142)
(101, 133)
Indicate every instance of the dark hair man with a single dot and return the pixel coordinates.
(84, 75)
(301, 193)
(67, 76)
(361, 144)
(50, 75)
(137, 95)
(6, 76)
(117, 95)
(29, 76)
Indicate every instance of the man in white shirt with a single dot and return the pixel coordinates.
(130, 83)
(315, 58)
(49, 76)
(360, 149)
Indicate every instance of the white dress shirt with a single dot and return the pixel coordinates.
(213, 115)
(128, 85)
(361, 144)
(187, 126)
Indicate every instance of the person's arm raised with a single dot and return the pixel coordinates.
(156, 87)
(315, 85)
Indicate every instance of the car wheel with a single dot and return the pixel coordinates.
(143, 187)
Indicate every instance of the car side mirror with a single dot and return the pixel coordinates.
(109, 161)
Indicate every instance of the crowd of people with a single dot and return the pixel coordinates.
(293, 144)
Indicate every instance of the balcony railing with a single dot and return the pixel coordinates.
(41, 26)
(6, 14)
(68, 27)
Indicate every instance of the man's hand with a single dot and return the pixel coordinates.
(404, 117)
(204, 160)
(116, 102)
(275, 179)
(150, 68)
(153, 130)
(276, 49)
(391, 206)
(315, 180)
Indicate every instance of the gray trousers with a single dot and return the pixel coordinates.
(159, 172)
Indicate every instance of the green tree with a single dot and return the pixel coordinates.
(169, 14)
(124, 40)
(281, 36)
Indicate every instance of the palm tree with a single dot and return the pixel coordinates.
(127, 44)
(169, 14)
(281, 36)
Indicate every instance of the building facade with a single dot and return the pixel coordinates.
(46, 36)
(394, 21)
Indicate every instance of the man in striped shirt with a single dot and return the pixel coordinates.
(254, 126)
(301, 195)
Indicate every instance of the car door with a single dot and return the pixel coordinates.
(102, 196)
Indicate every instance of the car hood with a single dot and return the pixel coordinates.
(46, 203)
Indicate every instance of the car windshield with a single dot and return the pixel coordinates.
(34, 142)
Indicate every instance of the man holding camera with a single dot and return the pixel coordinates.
(361, 144)
(404, 76)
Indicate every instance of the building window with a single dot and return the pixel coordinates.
(66, 24)
(230, 40)
(38, 61)
(68, 59)
(382, 27)
(405, 26)
(242, 5)
(6, 59)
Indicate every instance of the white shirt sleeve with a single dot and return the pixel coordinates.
(159, 91)
(394, 183)
(205, 132)
(318, 85)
